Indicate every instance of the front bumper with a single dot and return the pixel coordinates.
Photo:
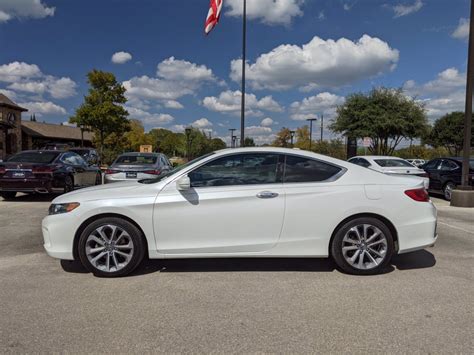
(59, 236)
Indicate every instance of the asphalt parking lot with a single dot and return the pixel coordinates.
(423, 304)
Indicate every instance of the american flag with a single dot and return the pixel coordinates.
(213, 15)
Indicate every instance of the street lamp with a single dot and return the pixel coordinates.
(232, 130)
(311, 120)
(292, 136)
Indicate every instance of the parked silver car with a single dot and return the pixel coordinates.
(137, 166)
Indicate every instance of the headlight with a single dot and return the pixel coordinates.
(62, 207)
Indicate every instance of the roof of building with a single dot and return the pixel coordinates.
(49, 130)
(5, 101)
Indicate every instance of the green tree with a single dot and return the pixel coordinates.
(447, 133)
(137, 136)
(102, 109)
(218, 144)
(167, 142)
(385, 115)
(283, 138)
(302, 138)
(249, 142)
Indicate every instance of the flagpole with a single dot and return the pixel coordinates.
(244, 50)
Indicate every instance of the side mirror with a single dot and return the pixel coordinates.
(183, 183)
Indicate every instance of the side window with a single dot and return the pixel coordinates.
(432, 164)
(447, 165)
(364, 163)
(299, 169)
(239, 169)
(354, 161)
(68, 158)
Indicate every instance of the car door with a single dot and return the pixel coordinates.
(449, 172)
(431, 169)
(314, 203)
(235, 205)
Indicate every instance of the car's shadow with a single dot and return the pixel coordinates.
(416, 260)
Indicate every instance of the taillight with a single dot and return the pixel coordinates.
(111, 171)
(2, 170)
(43, 169)
(152, 172)
(419, 195)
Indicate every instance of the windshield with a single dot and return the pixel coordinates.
(34, 157)
(81, 152)
(136, 160)
(179, 168)
(393, 163)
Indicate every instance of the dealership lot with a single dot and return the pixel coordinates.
(422, 304)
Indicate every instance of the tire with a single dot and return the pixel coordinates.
(98, 179)
(448, 190)
(122, 243)
(376, 253)
(8, 195)
(68, 184)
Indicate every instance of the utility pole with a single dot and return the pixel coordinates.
(322, 127)
(311, 120)
(244, 53)
(468, 112)
(232, 130)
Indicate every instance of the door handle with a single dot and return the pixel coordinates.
(267, 194)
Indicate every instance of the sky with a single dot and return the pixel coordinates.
(303, 58)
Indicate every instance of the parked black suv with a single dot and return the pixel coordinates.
(445, 174)
(90, 155)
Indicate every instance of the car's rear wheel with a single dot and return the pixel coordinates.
(111, 247)
(363, 246)
(8, 195)
(448, 190)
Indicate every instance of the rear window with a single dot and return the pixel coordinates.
(34, 157)
(136, 159)
(393, 163)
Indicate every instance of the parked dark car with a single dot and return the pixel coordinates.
(46, 171)
(56, 146)
(445, 174)
(90, 155)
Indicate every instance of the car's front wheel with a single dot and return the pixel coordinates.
(363, 246)
(111, 247)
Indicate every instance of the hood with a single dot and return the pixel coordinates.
(117, 190)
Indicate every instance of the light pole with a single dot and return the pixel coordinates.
(232, 130)
(311, 120)
(322, 127)
(292, 136)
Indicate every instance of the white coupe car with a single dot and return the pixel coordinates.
(392, 166)
(249, 202)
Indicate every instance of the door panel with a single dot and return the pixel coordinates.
(228, 219)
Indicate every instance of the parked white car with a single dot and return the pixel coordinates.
(249, 202)
(392, 166)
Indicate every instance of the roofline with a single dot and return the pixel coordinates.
(16, 107)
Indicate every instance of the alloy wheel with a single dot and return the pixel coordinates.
(364, 247)
(109, 248)
(448, 191)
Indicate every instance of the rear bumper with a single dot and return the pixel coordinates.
(29, 185)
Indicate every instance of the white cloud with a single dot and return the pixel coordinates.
(404, 9)
(347, 7)
(46, 107)
(29, 78)
(270, 12)
(446, 93)
(17, 71)
(173, 104)
(326, 63)
(12, 95)
(121, 57)
(149, 118)
(21, 9)
(178, 128)
(202, 123)
(462, 31)
(230, 102)
(175, 79)
(323, 103)
(266, 122)
(257, 130)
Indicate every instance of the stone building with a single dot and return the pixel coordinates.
(10, 127)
